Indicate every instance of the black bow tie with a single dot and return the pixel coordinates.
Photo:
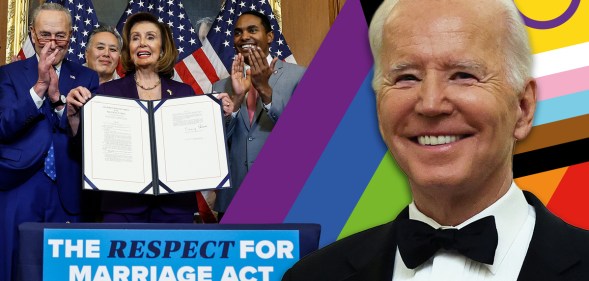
(417, 241)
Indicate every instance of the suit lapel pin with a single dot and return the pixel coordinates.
(73, 77)
(169, 92)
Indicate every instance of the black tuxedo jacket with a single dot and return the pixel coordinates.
(558, 251)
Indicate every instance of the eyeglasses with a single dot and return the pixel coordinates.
(46, 37)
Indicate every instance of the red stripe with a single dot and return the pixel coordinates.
(205, 64)
(187, 77)
(21, 54)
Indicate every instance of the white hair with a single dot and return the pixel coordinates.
(518, 61)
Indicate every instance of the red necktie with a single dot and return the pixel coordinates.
(252, 98)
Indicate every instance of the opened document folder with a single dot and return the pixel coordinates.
(154, 147)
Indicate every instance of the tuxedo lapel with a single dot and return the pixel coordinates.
(550, 253)
(376, 261)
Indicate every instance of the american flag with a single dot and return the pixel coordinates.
(84, 20)
(202, 64)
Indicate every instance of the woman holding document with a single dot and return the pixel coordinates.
(148, 57)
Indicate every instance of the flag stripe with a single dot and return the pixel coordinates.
(559, 60)
(187, 77)
(205, 64)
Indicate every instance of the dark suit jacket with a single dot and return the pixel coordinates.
(557, 251)
(132, 203)
(245, 142)
(27, 132)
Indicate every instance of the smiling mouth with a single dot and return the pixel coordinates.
(438, 140)
(248, 46)
(143, 54)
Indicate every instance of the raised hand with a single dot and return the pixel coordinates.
(261, 72)
(240, 80)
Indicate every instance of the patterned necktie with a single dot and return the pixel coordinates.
(50, 163)
(418, 242)
(252, 98)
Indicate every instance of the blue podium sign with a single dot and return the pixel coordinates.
(168, 255)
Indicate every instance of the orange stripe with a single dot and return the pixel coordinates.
(206, 65)
(187, 77)
(542, 184)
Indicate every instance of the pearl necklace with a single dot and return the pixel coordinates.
(146, 88)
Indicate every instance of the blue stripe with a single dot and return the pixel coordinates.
(344, 169)
(560, 108)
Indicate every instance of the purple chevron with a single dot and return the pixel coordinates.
(307, 124)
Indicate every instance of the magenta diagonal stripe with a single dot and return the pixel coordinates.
(307, 124)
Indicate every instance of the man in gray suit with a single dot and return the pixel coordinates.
(260, 88)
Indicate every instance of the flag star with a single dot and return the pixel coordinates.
(218, 28)
(150, 7)
(280, 41)
(87, 21)
(80, 6)
(226, 43)
(229, 22)
(192, 30)
(89, 10)
(131, 1)
(75, 28)
(261, 10)
(280, 30)
(180, 50)
(171, 13)
(96, 25)
(220, 18)
(68, 9)
(181, 5)
(85, 33)
(171, 24)
(241, 4)
(227, 32)
(181, 38)
(71, 1)
(279, 53)
(171, 2)
(181, 16)
(77, 17)
(70, 50)
(232, 11)
(252, 7)
(181, 27)
(160, 20)
(271, 16)
(140, 3)
(129, 11)
(272, 27)
(192, 41)
(262, 1)
(232, 1)
(161, 9)
(73, 39)
(80, 56)
(83, 44)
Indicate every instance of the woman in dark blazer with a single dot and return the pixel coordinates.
(148, 57)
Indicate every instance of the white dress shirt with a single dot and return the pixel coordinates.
(515, 220)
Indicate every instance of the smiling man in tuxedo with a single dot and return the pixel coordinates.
(454, 94)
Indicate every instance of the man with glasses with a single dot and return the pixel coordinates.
(39, 176)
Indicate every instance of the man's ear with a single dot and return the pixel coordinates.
(526, 109)
(31, 30)
(270, 37)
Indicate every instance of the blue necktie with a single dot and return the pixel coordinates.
(50, 163)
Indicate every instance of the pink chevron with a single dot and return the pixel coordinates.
(563, 83)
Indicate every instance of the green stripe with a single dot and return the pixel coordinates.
(384, 197)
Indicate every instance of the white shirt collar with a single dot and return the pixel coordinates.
(510, 211)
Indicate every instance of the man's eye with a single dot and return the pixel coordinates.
(406, 77)
(462, 76)
(100, 48)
